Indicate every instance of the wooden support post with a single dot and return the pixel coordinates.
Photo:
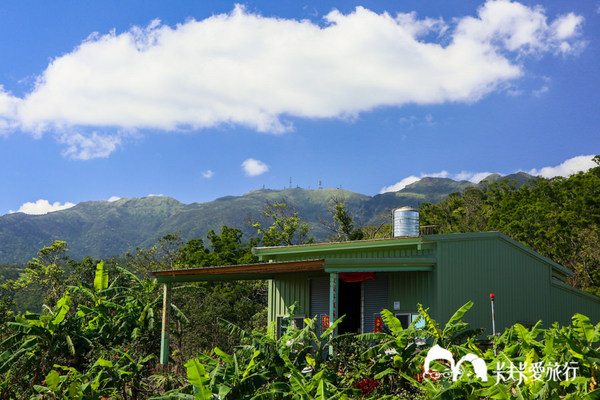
(164, 340)
(333, 298)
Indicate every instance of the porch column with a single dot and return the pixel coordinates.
(333, 298)
(164, 340)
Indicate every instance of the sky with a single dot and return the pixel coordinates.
(199, 100)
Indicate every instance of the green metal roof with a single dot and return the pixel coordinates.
(373, 244)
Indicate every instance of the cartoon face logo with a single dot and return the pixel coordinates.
(439, 353)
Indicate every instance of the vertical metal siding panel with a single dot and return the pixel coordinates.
(319, 296)
(411, 288)
(292, 289)
(270, 301)
(566, 303)
(375, 299)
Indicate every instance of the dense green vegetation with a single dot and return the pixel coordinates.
(104, 350)
(559, 218)
(535, 363)
(99, 327)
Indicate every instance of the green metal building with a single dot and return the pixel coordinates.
(442, 272)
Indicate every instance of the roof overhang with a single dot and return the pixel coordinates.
(271, 270)
(239, 272)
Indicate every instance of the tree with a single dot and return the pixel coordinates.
(286, 227)
(162, 256)
(45, 273)
(243, 302)
(342, 225)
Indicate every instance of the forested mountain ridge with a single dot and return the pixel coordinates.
(103, 229)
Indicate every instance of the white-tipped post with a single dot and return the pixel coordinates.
(492, 297)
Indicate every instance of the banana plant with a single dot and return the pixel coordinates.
(40, 340)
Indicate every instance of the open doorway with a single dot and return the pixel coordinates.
(349, 304)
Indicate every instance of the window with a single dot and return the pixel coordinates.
(283, 324)
(407, 318)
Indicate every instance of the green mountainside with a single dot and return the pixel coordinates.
(103, 229)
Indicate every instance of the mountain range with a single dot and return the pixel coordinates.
(104, 229)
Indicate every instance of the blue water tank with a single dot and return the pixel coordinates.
(406, 222)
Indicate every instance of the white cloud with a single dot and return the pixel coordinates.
(245, 69)
(82, 147)
(479, 176)
(42, 207)
(474, 177)
(412, 179)
(441, 174)
(400, 185)
(413, 120)
(567, 26)
(541, 90)
(207, 174)
(569, 167)
(254, 167)
(113, 199)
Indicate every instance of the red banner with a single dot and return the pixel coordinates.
(356, 276)
(378, 324)
(325, 322)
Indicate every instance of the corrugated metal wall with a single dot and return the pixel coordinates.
(410, 289)
(565, 300)
(319, 296)
(375, 299)
(286, 291)
(472, 269)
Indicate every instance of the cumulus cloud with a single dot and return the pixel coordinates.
(569, 167)
(113, 199)
(254, 167)
(245, 69)
(41, 207)
(207, 174)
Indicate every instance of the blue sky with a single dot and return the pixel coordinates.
(198, 100)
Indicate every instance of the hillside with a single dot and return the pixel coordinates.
(103, 229)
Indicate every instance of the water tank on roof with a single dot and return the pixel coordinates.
(406, 222)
